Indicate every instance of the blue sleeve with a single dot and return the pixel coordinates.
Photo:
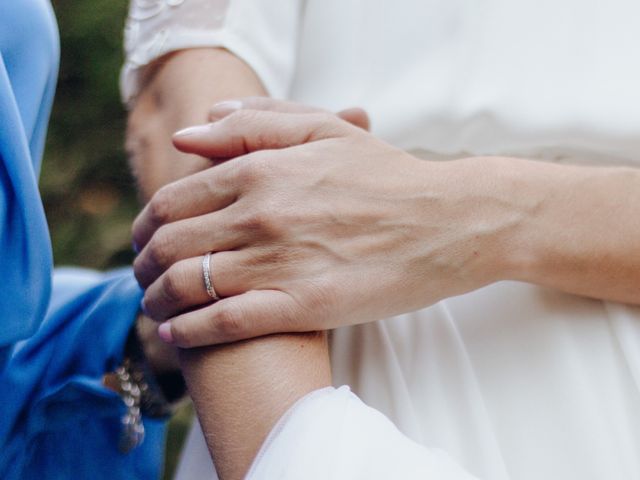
(28, 70)
(58, 421)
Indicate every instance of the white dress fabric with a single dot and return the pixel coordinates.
(513, 381)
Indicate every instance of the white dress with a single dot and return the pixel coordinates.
(512, 381)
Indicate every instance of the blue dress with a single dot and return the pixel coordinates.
(59, 332)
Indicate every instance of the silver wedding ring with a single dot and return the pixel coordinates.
(206, 273)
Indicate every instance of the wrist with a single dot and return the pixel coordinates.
(524, 188)
(558, 242)
(240, 390)
(503, 198)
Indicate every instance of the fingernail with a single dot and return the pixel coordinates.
(164, 332)
(143, 307)
(135, 246)
(191, 131)
(226, 107)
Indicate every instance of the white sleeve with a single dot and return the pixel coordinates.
(332, 435)
(262, 33)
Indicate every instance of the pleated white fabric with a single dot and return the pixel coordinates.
(383, 452)
(512, 381)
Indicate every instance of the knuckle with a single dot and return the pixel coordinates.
(244, 171)
(174, 284)
(261, 222)
(144, 269)
(181, 334)
(148, 303)
(228, 322)
(246, 130)
(255, 168)
(139, 270)
(325, 125)
(235, 145)
(160, 247)
(161, 205)
(137, 231)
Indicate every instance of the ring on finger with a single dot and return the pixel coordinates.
(208, 281)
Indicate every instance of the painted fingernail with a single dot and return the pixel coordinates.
(193, 131)
(143, 307)
(164, 332)
(227, 106)
(222, 109)
(135, 246)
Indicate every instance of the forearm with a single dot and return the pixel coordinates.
(178, 91)
(239, 390)
(581, 231)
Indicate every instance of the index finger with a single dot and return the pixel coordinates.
(246, 131)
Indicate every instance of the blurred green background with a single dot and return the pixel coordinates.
(88, 193)
(89, 196)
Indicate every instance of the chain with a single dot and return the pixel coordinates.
(131, 389)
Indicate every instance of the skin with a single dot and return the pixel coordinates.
(301, 248)
(315, 221)
(161, 357)
(239, 390)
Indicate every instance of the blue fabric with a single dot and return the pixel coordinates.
(58, 420)
(57, 338)
(28, 69)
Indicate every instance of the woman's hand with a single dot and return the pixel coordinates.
(314, 223)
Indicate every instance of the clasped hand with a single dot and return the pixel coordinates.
(314, 223)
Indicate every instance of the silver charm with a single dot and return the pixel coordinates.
(132, 433)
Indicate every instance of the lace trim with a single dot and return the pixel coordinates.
(151, 25)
